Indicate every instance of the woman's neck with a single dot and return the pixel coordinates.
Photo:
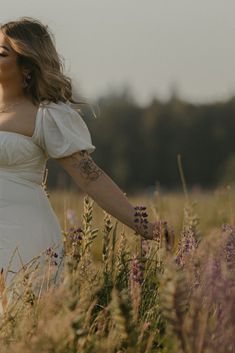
(10, 94)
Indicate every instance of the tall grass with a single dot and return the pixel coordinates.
(120, 293)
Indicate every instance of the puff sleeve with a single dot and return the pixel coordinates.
(62, 131)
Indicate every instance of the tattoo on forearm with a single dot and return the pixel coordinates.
(86, 166)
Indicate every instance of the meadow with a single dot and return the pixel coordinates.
(120, 293)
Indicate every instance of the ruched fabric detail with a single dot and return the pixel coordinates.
(61, 131)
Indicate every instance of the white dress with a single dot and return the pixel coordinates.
(27, 220)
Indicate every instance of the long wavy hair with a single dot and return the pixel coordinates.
(34, 44)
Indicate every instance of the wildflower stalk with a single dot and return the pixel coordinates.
(113, 257)
(122, 260)
(180, 166)
(107, 250)
(88, 234)
(106, 255)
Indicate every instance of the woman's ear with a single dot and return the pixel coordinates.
(26, 72)
(26, 77)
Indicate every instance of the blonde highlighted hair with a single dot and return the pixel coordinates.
(35, 47)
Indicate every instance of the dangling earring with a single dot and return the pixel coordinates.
(26, 80)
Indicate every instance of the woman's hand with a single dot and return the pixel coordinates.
(154, 231)
(149, 232)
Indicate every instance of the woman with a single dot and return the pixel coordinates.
(37, 122)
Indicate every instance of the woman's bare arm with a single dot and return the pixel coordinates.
(103, 190)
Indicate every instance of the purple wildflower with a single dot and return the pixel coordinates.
(137, 271)
(228, 232)
(140, 218)
(75, 234)
(51, 253)
(187, 244)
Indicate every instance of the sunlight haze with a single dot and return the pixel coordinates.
(151, 46)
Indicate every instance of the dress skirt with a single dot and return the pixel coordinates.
(30, 233)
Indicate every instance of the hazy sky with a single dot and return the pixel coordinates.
(150, 45)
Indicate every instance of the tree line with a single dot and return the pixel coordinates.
(138, 146)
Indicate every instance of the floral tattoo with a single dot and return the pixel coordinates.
(86, 165)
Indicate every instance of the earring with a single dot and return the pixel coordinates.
(26, 80)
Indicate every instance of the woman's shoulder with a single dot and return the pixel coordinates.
(59, 105)
(62, 130)
(61, 111)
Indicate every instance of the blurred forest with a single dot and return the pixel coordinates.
(138, 146)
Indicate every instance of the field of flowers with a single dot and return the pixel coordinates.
(119, 293)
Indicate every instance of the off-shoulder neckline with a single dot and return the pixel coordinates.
(31, 138)
(22, 135)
